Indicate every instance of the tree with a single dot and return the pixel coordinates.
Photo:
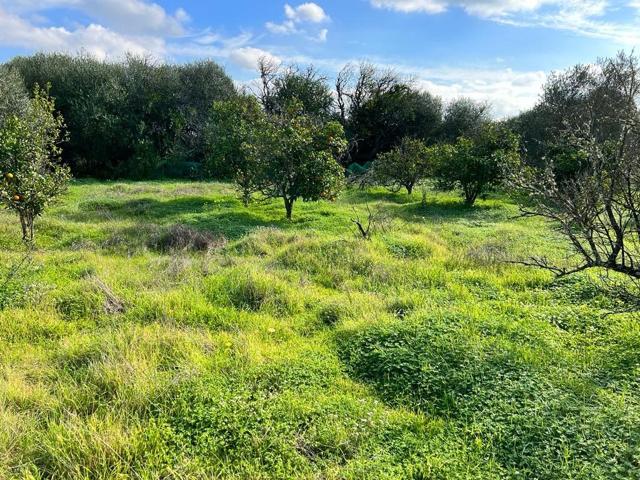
(134, 118)
(403, 166)
(378, 109)
(281, 86)
(234, 124)
(474, 165)
(32, 176)
(598, 207)
(14, 99)
(294, 156)
(464, 117)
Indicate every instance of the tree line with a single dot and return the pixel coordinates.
(132, 119)
(141, 119)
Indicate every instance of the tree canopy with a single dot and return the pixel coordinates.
(135, 118)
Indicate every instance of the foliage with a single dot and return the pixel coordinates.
(233, 125)
(14, 99)
(293, 156)
(279, 87)
(133, 119)
(404, 166)
(476, 164)
(597, 207)
(32, 176)
(378, 109)
(464, 117)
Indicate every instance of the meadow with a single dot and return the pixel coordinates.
(163, 330)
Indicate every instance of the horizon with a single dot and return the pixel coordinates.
(498, 52)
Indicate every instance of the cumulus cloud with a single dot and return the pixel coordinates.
(509, 92)
(94, 39)
(248, 57)
(136, 17)
(307, 12)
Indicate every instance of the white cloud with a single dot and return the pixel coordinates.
(94, 39)
(508, 91)
(283, 28)
(306, 13)
(476, 7)
(137, 17)
(248, 57)
(585, 17)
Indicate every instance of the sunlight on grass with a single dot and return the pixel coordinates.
(266, 348)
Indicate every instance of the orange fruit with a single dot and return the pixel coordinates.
(16, 198)
(9, 176)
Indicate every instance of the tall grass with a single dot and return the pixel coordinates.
(169, 332)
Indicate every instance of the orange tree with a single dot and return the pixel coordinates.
(31, 176)
(294, 156)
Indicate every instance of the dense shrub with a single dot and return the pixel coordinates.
(134, 119)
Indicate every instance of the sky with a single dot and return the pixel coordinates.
(498, 51)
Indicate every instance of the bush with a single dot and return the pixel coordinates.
(132, 119)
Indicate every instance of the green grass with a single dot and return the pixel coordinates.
(263, 348)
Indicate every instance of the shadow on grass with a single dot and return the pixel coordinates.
(371, 196)
(146, 208)
(448, 209)
(221, 217)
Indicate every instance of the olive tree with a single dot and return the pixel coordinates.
(294, 156)
(404, 166)
(32, 176)
(279, 86)
(476, 164)
(14, 99)
(464, 117)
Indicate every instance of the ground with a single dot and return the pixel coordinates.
(163, 330)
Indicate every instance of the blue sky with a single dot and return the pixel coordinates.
(494, 50)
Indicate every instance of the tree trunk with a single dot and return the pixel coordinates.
(288, 205)
(26, 222)
(470, 197)
(409, 189)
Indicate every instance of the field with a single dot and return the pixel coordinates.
(162, 330)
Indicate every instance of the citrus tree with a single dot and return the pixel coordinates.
(477, 164)
(403, 166)
(232, 124)
(31, 176)
(295, 157)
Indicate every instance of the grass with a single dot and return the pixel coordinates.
(162, 330)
